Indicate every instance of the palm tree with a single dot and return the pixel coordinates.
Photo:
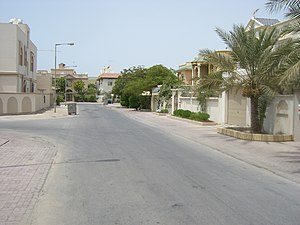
(252, 65)
(292, 72)
(292, 7)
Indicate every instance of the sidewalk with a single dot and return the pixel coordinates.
(24, 165)
(61, 111)
(281, 158)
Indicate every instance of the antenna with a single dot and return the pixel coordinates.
(255, 12)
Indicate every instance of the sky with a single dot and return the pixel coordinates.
(126, 33)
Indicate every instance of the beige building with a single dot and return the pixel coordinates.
(18, 56)
(230, 107)
(69, 74)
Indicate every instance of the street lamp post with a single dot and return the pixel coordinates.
(71, 44)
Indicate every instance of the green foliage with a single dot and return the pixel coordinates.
(78, 98)
(92, 89)
(124, 100)
(90, 98)
(78, 86)
(60, 84)
(128, 76)
(199, 116)
(292, 7)
(59, 99)
(136, 80)
(182, 113)
(134, 102)
(145, 102)
(164, 111)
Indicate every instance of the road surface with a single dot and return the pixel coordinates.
(111, 169)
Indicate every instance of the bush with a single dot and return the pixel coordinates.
(164, 111)
(145, 102)
(182, 113)
(78, 98)
(124, 100)
(200, 116)
(134, 102)
(59, 99)
(90, 98)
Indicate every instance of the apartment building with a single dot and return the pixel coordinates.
(18, 57)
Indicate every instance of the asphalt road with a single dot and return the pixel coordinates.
(111, 169)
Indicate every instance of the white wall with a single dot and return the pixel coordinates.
(280, 115)
(104, 85)
(9, 47)
(37, 101)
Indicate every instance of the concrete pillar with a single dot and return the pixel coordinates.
(248, 112)
(199, 70)
(192, 75)
(173, 101)
(296, 124)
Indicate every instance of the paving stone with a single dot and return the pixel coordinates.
(24, 165)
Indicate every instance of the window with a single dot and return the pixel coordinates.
(31, 61)
(25, 57)
(110, 83)
(20, 53)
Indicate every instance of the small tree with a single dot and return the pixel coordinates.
(78, 86)
(134, 102)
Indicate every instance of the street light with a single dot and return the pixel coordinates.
(71, 44)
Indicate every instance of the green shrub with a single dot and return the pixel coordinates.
(145, 102)
(134, 102)
(78, 98)
(124, 100)
(178, 112)
(59, 99)
(200, 116)
(182, 113)
(90, 98)
(164, 111)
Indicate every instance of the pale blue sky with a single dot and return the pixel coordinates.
(126, 33)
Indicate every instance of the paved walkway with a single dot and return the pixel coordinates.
(281, 158)
(24, 165)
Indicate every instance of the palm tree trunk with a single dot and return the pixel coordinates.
(255, 126)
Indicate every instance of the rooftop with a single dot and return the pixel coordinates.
(108, 76)
(266, 21)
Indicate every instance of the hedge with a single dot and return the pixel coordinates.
(199, 116)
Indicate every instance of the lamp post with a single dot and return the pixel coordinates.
(71, 44)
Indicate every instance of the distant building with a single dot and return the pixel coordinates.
(18, 56)
(105, 82)
(67, 73)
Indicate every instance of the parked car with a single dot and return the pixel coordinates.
(109, 101)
